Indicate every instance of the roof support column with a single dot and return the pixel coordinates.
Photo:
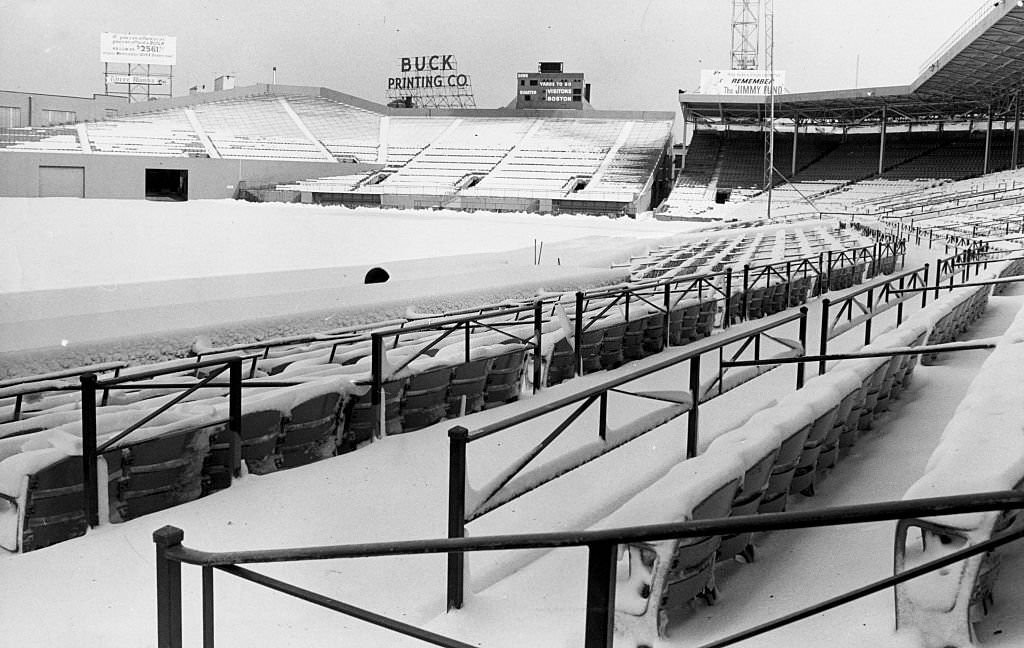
(796, 129)
(988, 141)
(1016, 129)
(881, 143)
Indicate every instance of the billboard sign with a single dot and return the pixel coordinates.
(741, 82)
(136, 79)
(431, 81)
(138, 48)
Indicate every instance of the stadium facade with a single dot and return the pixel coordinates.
(309, 144)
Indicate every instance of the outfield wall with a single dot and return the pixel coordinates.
(124, 176)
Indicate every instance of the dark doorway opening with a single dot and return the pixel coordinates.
(376, 275)
(166, 184)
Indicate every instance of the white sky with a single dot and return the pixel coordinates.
(635, 54)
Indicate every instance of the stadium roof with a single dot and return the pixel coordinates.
(977, 70)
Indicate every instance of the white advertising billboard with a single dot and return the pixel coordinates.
(741, 82)
(138, 48)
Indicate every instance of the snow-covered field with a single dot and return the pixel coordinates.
(99, 590)
(153, 276)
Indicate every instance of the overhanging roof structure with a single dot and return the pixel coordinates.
(976, 72)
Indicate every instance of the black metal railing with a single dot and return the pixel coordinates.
(601, 546)
(460, 514)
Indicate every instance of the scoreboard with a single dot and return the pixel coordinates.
(551, 88)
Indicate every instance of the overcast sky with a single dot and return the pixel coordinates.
(636, 54)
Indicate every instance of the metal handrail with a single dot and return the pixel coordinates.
(602, 546)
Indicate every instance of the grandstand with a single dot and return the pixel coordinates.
(958, 119)
(308, 138)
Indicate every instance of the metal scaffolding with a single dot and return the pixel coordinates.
(745, 16)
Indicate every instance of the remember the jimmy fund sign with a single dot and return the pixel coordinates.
(431, 81)
(742, 82)
(138, 48)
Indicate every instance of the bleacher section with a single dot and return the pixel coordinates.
(349, 133)
(830, 165)
(45, 140)
(464, 159)
(167, 132)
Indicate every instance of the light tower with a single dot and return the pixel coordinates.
(745, 15)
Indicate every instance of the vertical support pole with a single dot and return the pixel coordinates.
(577, 343)
(924, 284)
(727, 320)
(17, 407)
(458, 437)
(207, 607)
(881, 143)
(89, 478)
(938, 277)
(796, 130)
(823, 340)
(377, 382)
(667, 333)
(745, 311)
(693, 416)
(538, 317)
(600, 622)
(602, 429)
(789, 283)
(168, 588)
(828, 272)
(1016, 130)
(803, 346)
(871, 308)
(899, 307)
(235, 415)
(988, 142)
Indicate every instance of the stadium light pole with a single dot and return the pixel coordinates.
(769, 35)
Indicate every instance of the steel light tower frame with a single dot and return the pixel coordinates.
(745, 20)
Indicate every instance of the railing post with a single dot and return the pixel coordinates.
(458, 437)
(208, 639)
(235, 415)
(871, 307)
(168, 588)
(602, 429)
(745, 311)
(377, 382)
(600, 626)
(803, 347)
(823, 340)
(828, 272)
(924, 284)
(90, 481)
(899, 306)
(693, 416)
(668, 317)
(728, 298)
(577, 343)
(538, 318)
(789, 283)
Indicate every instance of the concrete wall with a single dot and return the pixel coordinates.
(34, 105)
(124, 176)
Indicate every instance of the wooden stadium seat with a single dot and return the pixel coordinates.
(612, 345)
(310, 431)
(504, 376)
(425, 400)
(157, 473)
(562, 365)
(41, 500)
(468, 386)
